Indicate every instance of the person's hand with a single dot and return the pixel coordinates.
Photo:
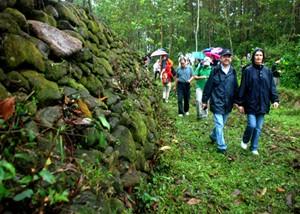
(241, 109)
(276, 104)
(204, 106)
(174, 88)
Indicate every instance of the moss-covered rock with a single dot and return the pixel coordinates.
(8, 24)
(125, 145)
(56, 71)
(64, 9)
(92, 83)
(68, 81)
(45, 90)
(17, 16)
(3, 92)
(19, 50)
(138, 127)
(16, 81)
(41, 16)
(51, 11)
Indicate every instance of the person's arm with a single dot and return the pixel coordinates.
(208, 89)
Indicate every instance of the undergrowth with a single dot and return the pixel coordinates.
(191, 177)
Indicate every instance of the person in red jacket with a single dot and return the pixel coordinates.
(167, 83)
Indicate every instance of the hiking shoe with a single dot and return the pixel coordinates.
(255, 152)
(203, 116)
(244, 145)
(222, 151)
(180, 115)
(187, 113)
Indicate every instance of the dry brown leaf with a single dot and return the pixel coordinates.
(7, 107)
(84, 109)
(279, 189)
(194, 201)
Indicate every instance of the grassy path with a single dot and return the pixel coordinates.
(192, 177)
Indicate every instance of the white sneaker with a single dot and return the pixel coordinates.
(244, 145)
(180, 115)
(187, 113)
(166, 101)
(255, 152)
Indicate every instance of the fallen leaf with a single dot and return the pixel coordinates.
(7, 107)
(279, 189)
(236, 192)
(238, 201)
(194, 201)
(263, 192)
(164, 148)
(174, 141)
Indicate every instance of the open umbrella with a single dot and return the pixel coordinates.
(214, 55)
(198, 55)
(216, 50)
(159, 53)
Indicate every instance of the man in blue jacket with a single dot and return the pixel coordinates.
(221, 88)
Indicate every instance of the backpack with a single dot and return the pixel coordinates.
(164, 78)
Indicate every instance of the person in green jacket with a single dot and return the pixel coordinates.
(201, 75)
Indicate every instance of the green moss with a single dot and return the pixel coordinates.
(45, 91)
(19, 50)
(17, 16)
(43, 17)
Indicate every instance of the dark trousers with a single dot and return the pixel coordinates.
(183, 93)
(157, 73)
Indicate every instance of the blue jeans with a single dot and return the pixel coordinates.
(183, 93)
(253, 129)
(217, 132)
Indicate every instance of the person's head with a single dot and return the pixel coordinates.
(258, 56)
(277, 60)
(225, 57)
(206, 61)
(180, 54)
(182, 62)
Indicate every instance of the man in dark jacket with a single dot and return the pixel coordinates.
(257, 91)
(221, 88)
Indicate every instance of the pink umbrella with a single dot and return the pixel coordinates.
(216, 50)
(159, 53)
(214, 55)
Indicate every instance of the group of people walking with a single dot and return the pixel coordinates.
(217, 87)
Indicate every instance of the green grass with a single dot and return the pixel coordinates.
(192, 170)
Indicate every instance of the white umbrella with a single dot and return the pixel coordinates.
(159, 53)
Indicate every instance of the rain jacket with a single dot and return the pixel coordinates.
(257, 90)
(221, 89)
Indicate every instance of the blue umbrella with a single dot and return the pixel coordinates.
(198, 55)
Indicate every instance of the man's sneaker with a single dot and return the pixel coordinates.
(222, 151)
(187, 113)
(255, 152)
(244, 145)
(180, 115)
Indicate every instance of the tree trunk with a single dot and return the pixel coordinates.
(297, 21)
(197, 27)
(227, 11)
